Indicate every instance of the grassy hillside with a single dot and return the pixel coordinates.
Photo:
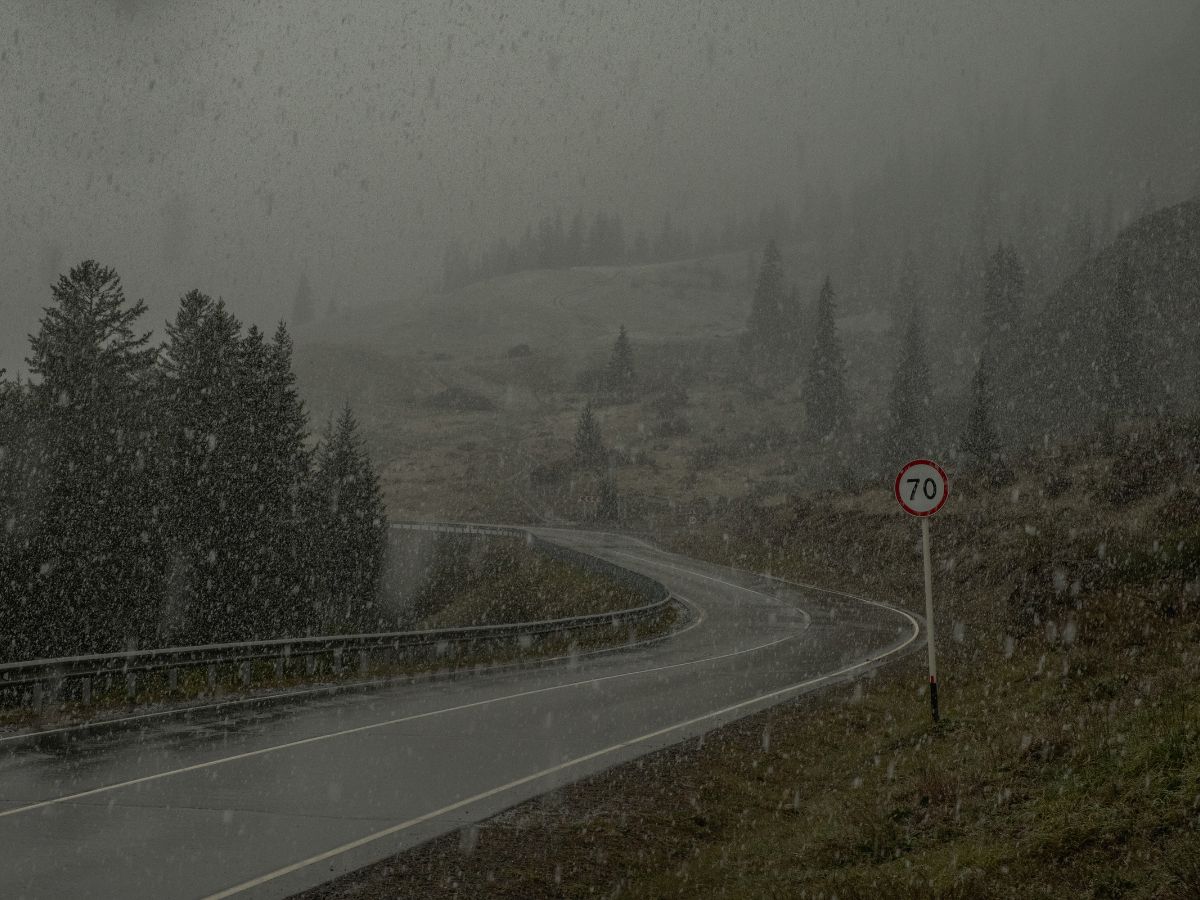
(459, 425)
(462, 427)
(568, 311)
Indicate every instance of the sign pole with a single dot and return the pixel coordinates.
(921, 490)
(933, 686)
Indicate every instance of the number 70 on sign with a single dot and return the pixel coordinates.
(921, 487)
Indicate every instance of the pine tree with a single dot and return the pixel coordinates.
(94, 537)
(276, 469)
(204, 433)
(242, 575)
(910, 406)
(304, 306)
(618, 375)
(589, 445)
(825, 389)
(666, 245)
(350, 526)
(980, 443)
(767, 319)
(19, 500)
(788, 341)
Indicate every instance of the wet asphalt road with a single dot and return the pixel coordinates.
(264, 802)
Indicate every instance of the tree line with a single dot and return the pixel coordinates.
(777, 342)
(554, 243)
(158, 495)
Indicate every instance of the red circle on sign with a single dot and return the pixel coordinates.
(912, 511)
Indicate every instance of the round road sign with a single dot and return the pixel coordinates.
(922, 487)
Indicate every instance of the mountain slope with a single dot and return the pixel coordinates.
(1062, 379)
(569, 311)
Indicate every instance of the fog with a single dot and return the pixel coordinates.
(233, 146)
(626, 447)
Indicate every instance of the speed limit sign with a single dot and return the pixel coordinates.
(922, 487)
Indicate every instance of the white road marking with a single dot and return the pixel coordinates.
(373, 725)
(491, 792)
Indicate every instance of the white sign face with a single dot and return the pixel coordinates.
(922, 487)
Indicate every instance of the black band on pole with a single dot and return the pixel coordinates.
(933, 704)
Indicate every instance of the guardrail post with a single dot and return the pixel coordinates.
(364, 662)
(246, 673)
(211, 675)
(279, 664)
(173, 679)
(85, 690)
(38, 698)
(130, 685)
(310, 664)
(337, 662)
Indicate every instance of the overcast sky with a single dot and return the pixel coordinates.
(228, 145)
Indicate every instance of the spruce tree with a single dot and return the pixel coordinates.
(276, 469)
(19, 502)
(910, 403)
(980, 443)
(825, 389)
(766, 319)
(94, 538)
(350, 528)
(618, 375)
(665, 242)
(788, 340)
(589, 445)
(204, 433)
(241, 574)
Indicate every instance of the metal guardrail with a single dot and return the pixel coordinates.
(36, 680)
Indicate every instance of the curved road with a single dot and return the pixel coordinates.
(264, 802)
